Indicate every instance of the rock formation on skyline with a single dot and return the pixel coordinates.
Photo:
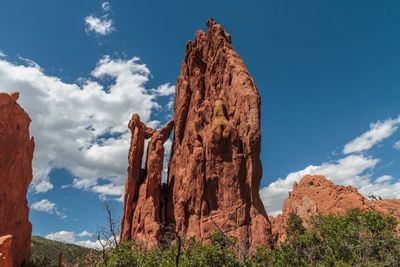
(16, 152)
(215, 169)
(139, 133)
(315, 194)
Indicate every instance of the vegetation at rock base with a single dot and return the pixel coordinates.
(357, 238)
(45, 253)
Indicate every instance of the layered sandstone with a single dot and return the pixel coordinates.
(317, 195)
(215, 169)
(16, 152)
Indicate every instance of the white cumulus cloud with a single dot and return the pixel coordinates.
(354, 169)
(346, 171)
(85, 233)
(83, 126)
(72, 238)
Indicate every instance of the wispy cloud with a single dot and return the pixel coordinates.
(165, 90)
(397, 145)
(106, 6)
(85, 233)
(47, 206)
(100, 25)
(378, 132)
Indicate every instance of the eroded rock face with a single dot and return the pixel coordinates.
(142, 217)
(147, 218)
(16, 152)
(317, 195)
(215, 169)
(139, 132)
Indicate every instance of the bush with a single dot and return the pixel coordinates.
(357, 238)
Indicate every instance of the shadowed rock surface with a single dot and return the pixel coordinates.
(16, 152)
(317, 195)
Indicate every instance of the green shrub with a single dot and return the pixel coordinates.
(357, 238)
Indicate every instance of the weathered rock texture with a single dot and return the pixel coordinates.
(143, 194)
(215, 168)
(139, 132)
(317, 195)
(16, 152)
(6, 254)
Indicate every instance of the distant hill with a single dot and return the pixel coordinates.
(45, 253)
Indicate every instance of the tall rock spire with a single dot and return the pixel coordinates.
(215, 168)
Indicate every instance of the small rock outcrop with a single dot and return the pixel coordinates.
(214, 170)
(317, 195)
(6, 254)
(16, 152)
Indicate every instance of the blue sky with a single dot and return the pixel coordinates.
(327, 72)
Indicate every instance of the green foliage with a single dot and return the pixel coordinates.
(45, 253)
(220, 252)
(357, 238)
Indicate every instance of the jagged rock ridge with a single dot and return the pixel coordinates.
(215, 168)
(16, 152)
(315, 194)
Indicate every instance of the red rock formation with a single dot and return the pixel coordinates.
(215, 169)
(6, 255)
(139, 132)
(16, 152)
(147, 218)
(317, 195)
